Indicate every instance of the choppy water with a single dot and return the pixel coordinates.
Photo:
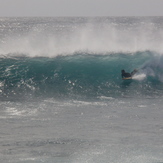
(62, 98)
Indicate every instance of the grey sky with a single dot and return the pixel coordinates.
(81, 8)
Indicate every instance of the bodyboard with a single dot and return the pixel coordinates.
(127, 78)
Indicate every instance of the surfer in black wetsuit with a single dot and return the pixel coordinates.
(126, 74)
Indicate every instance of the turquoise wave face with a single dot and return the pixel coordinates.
(81, 76)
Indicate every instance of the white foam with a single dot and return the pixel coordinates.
(139, 77)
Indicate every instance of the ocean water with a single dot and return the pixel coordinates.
(62, 99)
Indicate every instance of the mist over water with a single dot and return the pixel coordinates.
(51, 37)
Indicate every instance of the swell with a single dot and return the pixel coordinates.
(81, 75)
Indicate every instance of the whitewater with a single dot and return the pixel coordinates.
(62, 98)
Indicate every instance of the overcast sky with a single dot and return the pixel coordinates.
(81, 8)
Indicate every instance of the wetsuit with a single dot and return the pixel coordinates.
(126, 74)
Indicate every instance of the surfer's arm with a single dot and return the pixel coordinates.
(134, 72)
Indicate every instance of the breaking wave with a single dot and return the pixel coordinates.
(81, 76)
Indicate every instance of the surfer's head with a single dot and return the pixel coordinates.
(122, 71)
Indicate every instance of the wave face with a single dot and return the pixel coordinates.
(80, 57)
(82, 76)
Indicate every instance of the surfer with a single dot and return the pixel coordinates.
(127, 74)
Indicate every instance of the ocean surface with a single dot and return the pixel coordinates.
(62, 98)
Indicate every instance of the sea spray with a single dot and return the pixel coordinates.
(51, 37)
